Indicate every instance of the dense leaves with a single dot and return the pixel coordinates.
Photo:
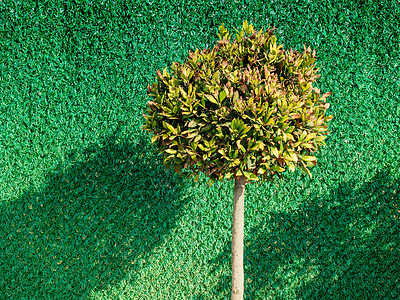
(246, 107)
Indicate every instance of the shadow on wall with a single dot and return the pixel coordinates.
(90, 225)
(343, 246)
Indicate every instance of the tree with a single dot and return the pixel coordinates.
(244, 110)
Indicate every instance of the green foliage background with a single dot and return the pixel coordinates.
(89, 212)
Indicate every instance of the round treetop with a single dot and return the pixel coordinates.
(247, 107)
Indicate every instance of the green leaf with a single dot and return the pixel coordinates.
(235, 97)
(192, 124)
(251, 163)
(237, 124)
(305, 170)
(222, 96)
(154, 138)
(273, 39)
(310, 61)
(203, 103)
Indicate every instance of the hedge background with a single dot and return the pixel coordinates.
(89, 212)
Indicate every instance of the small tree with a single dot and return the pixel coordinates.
(245, 110)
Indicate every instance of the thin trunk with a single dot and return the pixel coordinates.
(237, 239)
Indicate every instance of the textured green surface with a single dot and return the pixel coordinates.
(88, 212)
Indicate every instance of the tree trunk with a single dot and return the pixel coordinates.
(237, 240)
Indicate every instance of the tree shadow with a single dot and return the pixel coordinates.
(345, 245)
(91, 225)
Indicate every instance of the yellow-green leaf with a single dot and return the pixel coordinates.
(254, 177)
(311, 136)
(196, 177)
(192, 134)
(247, 174)
(211, 99)
(303, 135)
(320, 138)
(275, 152)
(222, 152)
(228, 175)
(294, 157)
(239, 173)
(171, 151)
(261, 171)
(305, 170)
(277, 168)
(169, 127)
(308, 146)
(308, 158)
